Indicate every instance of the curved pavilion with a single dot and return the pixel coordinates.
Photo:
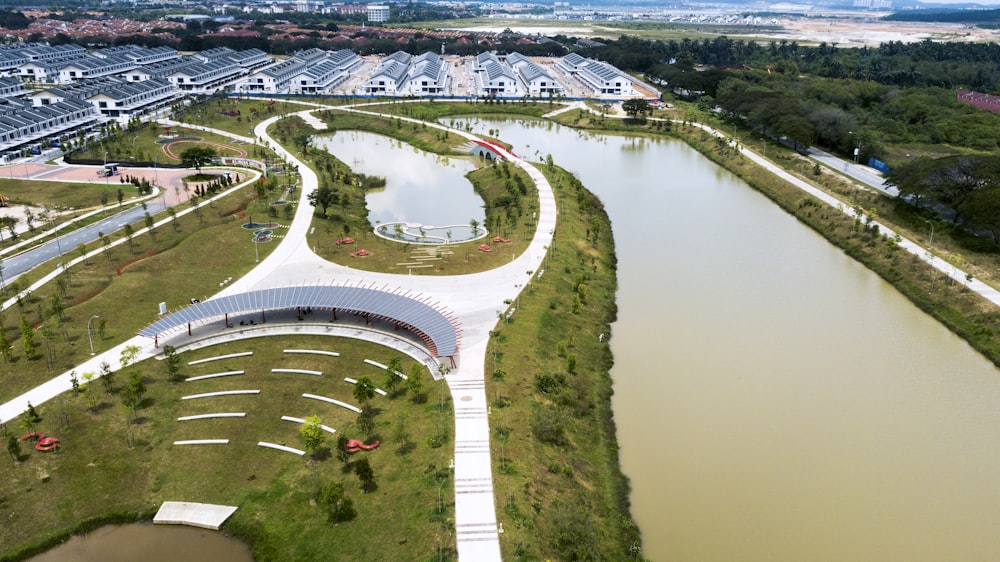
(438, 329)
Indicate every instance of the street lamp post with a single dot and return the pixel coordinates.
(256, 255)
(931, 243)
(89, 337)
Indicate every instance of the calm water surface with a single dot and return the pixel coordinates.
(420, 187)
(774, 399)
(149, 543)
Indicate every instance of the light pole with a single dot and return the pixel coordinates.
(89, 337)
(3, 284)
(931, 243)
(105, 171)
(255, 254)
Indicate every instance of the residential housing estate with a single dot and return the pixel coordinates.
(50, 93)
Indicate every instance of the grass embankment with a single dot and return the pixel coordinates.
(187, 258)
(509, 196)
(558, 484)
(96, 476)
(965, 313)
(434, 110)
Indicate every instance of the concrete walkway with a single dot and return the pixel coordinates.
(477, 300)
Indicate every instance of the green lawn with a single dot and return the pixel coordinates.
(96, 473)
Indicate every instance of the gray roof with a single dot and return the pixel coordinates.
(439, 332)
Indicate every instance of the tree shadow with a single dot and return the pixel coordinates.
(406, 448)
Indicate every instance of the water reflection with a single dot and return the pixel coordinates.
(421, 187)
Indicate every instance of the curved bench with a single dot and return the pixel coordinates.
(203, 442)
(220, 393)
(220, 357)
(354, 409)
(280, 448)
(313, 352)
(298, 372)
(211, 416)
(214, 375)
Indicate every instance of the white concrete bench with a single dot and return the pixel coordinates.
(385, 368)
(211, 416)
(313, 352)
(214, 375)
(378, 391)
(220, 393)
(203, 442)
(280, 448)
(220, 357)
(326, 428)
(332, 401)
(298, 372)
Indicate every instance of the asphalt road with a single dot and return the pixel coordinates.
(67, 244)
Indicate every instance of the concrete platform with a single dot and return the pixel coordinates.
(204, 515)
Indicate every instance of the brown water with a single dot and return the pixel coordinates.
(774, 399)
(149, 543)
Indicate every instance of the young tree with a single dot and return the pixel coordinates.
(74, 382)
(121, 196)
(31, 418)
(129, 232)
(339, 508)
(14, 447)
(27, 338)
(107, 377)
(364, 390)
(6, 349)
(150, 225)
(342, 453)
(366, 475)
(415, 383)
(392, 379)
(172, 363)
(312, 435)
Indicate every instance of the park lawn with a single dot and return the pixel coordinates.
(172, 268)
(140, 145)
(96, 474)
(58, 195)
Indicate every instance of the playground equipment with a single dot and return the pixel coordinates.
(4, 201)
(360, 253)
(43, 443)
(353, 445)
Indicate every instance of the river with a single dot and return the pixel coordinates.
(775, 400)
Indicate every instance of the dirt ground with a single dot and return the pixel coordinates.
(856, 31)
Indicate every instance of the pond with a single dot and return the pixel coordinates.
(149, 543)
(422, 190)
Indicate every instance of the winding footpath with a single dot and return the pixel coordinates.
(476, 299)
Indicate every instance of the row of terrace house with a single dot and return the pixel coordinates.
(494, 78)
(312, 71)
(389, 77)
(23, 125)
(535, 80)
(113, 98)
(403, 74)
(601, 77)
